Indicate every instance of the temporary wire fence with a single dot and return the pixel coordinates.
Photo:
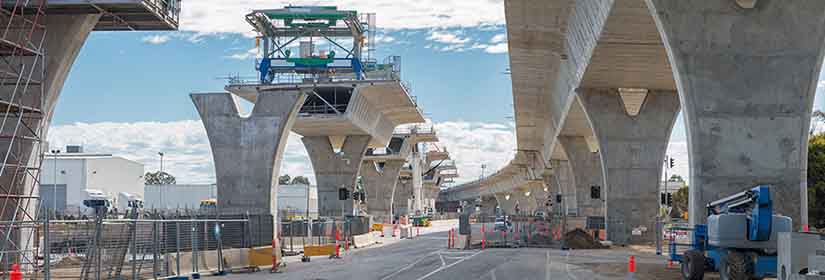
(296, 235)
(140, 248)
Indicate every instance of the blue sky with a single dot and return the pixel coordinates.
(128, 92)
(122, 78)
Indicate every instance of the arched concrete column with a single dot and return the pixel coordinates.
(380, 187)
(65, 37)
(632, 152)
(335, 170)
(747, 78)
(247, 151)
(587, 171)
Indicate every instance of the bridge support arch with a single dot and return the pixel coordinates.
(747, 78)
(632, 152)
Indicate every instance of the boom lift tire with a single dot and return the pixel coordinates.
(735, 266)
(693, 268)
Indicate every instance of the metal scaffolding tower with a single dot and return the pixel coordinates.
(22, 76)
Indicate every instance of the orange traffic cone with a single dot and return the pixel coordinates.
(631, 268)
(15, 273)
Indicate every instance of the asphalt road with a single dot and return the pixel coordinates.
(427, 258)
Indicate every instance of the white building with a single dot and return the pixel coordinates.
(291, 198)
(65, 177)
(671, 186)
(171, 197)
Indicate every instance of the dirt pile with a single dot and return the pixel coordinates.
(69, 261)
(579, 239)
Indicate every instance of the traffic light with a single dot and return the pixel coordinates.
(669, 199)
(558, 198)
(672, 162)
(595, 192)
(663, 198)
(343, 194)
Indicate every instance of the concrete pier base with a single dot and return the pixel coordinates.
(380, 188)
(632, 153)
(335, 170)
(747, 78)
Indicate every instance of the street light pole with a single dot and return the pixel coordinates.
(161, 161)
(54, 181)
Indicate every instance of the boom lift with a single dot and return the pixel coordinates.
(739, 239)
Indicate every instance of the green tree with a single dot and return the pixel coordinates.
(680, 202)
(816, 180)
(676, 178)
(300, 180)
(159, 178)
(284, 179)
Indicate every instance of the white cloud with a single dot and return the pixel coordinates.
(253, 52)
(156, 39)
(472, 144)
(497, 48)
(448, 41)
(384, 39)
(221, 16)
(446, 37)
(499, 38)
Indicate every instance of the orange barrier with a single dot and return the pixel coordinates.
(319, 250)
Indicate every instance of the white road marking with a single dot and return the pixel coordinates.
(448, 266)
(443, 263)
(548, 270)
(493, 274)
(567, 265)
(409, 266)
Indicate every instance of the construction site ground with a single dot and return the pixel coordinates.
(426, 257)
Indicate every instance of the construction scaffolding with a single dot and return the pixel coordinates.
(22, 76)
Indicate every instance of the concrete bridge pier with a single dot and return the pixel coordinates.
(335, 170)
(380, 186)
(507, 203)
(247, 152)
(489, 204)
(747, 78)
(632, 153)
(587, 173)
(402, 196)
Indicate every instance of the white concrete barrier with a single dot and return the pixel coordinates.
(405, 231)
(363, 240)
